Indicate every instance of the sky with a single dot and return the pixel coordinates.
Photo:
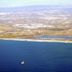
(11, 3)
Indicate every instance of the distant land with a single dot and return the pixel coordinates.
(36, 22)
(34, 8)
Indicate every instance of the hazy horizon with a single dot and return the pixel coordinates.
(17, 3)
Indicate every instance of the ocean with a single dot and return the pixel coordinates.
(23, 56)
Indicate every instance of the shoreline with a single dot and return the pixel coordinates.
(35, 40)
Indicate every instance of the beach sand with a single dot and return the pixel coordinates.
(36, 40)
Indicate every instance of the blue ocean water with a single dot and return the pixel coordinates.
(37, 56)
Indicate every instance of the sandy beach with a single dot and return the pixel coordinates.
(35, 40)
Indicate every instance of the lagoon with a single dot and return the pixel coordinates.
(53, 37)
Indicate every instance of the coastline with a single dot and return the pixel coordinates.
(35, 40)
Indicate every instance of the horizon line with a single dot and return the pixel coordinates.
(35, 5)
